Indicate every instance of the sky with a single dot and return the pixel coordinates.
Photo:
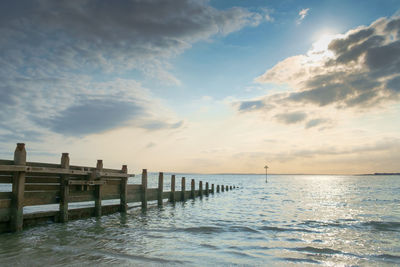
(219, 86)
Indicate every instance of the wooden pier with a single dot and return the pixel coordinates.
(36, 184)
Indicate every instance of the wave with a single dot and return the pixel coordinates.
(299, 260)
(318, 250)
(388, 257)
(351, 223)
(382, 225)
(281, 229)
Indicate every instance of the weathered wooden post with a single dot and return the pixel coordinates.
(192, 189)
(172, 194)
(144, 189)
(200, 188)
(217, 188)
(160, 189)
(222, 188)
(207, 189)
(183, 188)
(230, 188)
(97, 190)
(212, 189)
(18, 187)
(226, 188)
(124, 190)
(64, 189)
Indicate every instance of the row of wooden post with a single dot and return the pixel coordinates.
(172, 192)
(18, 186)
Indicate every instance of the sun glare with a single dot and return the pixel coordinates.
(319, 50)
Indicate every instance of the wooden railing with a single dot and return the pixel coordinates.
(44, 183)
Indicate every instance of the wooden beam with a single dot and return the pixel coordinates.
(172, 194)
(192, 189)
(160, 189)
(124, 191)
(144, 189)
(200, 188)
(222, 188)
(85, 182)
(64, 190)
(207, 192)
(18, 188)
(183, 188)
(212, 189)
(98, 191)
(217, 188)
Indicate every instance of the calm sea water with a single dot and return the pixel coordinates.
(291, 220)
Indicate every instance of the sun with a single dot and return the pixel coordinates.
(320, 50)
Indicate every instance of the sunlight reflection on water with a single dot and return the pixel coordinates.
(305, 219)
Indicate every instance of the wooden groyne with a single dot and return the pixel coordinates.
(36, 183)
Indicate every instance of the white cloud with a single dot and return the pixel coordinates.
(302, 14)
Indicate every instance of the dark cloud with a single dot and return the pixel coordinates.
(291, 118)
(93, 116)
(66, 35)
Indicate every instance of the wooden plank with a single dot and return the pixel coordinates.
(144, 189)
(41, 198)
(115, 181)
(192, 189)
(124, 191)
(134, 187)
(200, 188)
(5, 195)
(160, 189)
(17, 216)
(42, 187)
(183, 186)
(134, 197)
(80, 196)
(5, 203)
(6, 179)
(111, 196)
(111, 189)
(152, 194)
(178, 195)
(64, 190)
(166, 195)
(78, 188)
(43, 164)
(6, 162)
(12, 168)
(85, 182)
(5, 214)
(42, 180)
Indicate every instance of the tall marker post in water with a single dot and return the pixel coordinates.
(266, 173)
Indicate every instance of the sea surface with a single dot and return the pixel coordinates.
(291, 220)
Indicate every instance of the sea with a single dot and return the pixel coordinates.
(291, 220)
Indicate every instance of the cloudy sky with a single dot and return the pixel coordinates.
(203, 86)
